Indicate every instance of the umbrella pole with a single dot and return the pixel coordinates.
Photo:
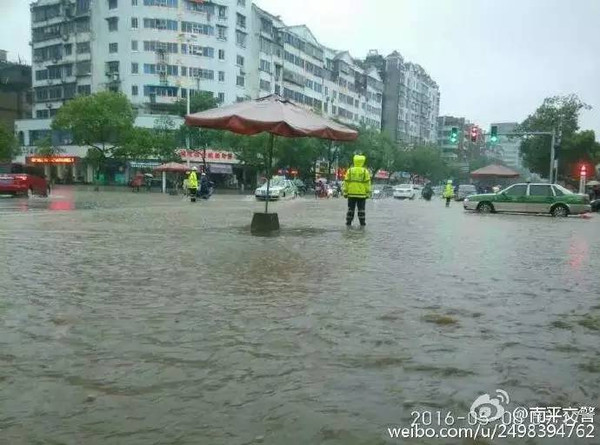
(271, 141)
(164, 182)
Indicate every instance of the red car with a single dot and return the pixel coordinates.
(19, 179)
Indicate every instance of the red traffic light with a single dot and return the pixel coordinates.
(583, 170)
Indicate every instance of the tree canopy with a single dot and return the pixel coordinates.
(9, 146)
(562, 114)
(101, 121)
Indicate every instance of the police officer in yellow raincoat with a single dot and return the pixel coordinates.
(357, 188)
(448, 192)
(193, 183)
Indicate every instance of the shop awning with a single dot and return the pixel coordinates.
(143, 164)
(221, 169)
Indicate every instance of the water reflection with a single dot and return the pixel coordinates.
(148, 319)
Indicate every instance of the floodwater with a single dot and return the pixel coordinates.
(142, 319)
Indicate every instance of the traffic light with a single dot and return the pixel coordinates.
(474, 134)
(494, 135)
(454, 135)
(583, 171)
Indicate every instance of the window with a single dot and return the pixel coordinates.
(184, 71)
(240, 81)
(42, 114)
(221, 97)
(240, 20)
(265, 65)
(68, 49)
(222, 32)
(135, 68)
(222, 12)
(113, 48)
(197, 50)
(113, 24)
(41, 75)
(197, 28)
(240, 60)
(134, 90)
(221, 54)
(112, 4)
(540, 190)
(240, 38)
(112, 67)
(221, 76)
(134, 45)
(241, 2)
(83, 48)
(135, 23)
(167, 47)
(83, 68)
(265, 85)
(516, 190)
(134, 2)
(161, 24)
(199, 73)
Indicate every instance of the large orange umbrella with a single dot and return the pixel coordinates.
(274, 115)
(494, 170)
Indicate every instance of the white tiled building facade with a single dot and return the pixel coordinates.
(154, 51)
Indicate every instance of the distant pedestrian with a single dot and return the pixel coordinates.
(448, 192)
(357, 188)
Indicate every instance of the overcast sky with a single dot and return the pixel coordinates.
(494, 60)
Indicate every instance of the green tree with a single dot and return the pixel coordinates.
(45, 147)
(101, 121)
(580, 148)
(198, 102)
(378, 148)
(560, 113)
(424, 161)
(9, 146)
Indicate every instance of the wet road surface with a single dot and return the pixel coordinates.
(143, 319)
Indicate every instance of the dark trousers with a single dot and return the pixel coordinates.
(448, 202)
(352, 204)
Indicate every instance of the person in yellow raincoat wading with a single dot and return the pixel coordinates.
(448, 192)
(357, 188)
(193, 183)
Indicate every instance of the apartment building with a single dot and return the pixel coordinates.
(291, 62)
(411, 102)
(154, 51)
(15, 91)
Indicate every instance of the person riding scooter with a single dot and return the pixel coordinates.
(205, 187)
(427, 192)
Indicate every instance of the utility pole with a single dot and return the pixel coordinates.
(552, 156)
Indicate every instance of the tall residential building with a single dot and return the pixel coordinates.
(507, 149)
(154, 51)
(411, 102)
(290, 61)
(15, 91)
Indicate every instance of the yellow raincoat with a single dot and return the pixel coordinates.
(357, 182)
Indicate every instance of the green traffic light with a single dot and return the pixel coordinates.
(494, 139)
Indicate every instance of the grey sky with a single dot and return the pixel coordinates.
(495, 60)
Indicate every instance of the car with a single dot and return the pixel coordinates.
(279, 188)
(19, 179)
(379, 191)
(465, 190)
(530, 198)
(404, 191)
(595, 204)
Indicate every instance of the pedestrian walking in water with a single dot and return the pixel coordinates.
(193, 184)
(448, 192)
(357, 188)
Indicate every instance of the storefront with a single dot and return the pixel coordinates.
(60, 169)
(223, 167)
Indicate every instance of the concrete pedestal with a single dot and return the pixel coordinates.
(264, 223)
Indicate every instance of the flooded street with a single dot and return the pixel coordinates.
(130, 318)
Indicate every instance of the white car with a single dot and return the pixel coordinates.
(405, 191)
(279, 188)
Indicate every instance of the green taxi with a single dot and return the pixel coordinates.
(530, 198)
